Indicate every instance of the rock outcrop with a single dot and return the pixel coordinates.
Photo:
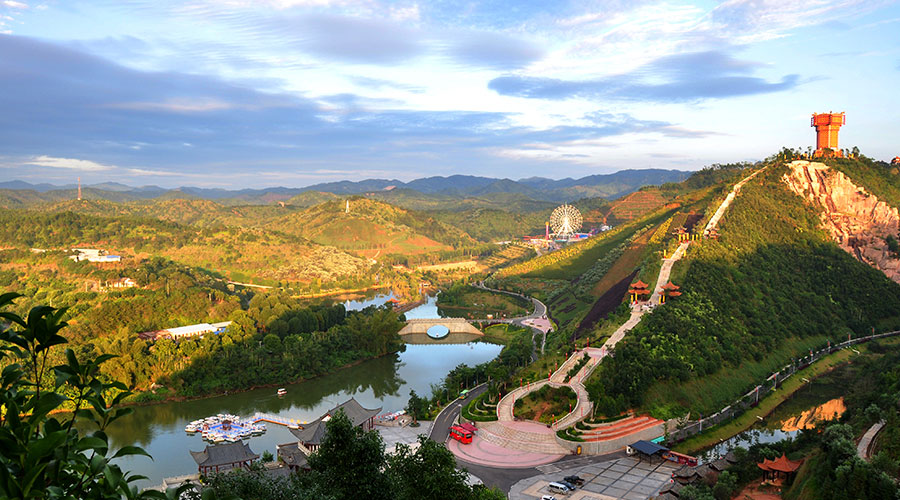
(856, 219)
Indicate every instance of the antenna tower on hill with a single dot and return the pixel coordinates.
(79, 189)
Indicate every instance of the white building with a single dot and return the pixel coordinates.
(93, 255)
(181, 332)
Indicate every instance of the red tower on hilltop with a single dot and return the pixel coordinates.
(827, 126)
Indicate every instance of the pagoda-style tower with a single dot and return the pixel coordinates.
(668, 290)
(827, 126)
(638, 290)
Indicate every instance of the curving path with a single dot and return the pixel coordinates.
(537, 321)
(558, 378)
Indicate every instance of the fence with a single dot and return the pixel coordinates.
(751, 398)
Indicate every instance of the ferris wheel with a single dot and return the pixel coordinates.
(565, 221)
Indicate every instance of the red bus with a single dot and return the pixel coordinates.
(680, 458)
(462, 435)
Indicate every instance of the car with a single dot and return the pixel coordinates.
(571, 486)
(548, 497)
(576, 480)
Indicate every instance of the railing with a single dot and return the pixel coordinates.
(751, 398)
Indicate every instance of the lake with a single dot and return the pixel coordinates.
(384, 382)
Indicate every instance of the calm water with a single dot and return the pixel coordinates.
(383, 382)
(770, 430)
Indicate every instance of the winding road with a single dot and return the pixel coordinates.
(595, 356)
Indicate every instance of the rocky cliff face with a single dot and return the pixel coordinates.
(856, 219)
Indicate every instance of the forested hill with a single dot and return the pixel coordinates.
(16, 194)
(773, 286)
(371, 227)
(237, 253)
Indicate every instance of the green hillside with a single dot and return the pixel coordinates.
(266, 257)
(772, 286)
(373, 228)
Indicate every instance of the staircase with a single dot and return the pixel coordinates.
(621, 428)
(537, 442)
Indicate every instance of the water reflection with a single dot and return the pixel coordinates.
(384, 382)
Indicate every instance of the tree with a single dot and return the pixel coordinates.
(47, 456)
(349, 461)
(416, 406)
(429, 473)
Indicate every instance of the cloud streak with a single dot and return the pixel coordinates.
(679, 78)
(69, 163)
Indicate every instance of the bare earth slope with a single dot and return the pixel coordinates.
(857, 220)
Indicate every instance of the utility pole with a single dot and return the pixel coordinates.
(79, 189)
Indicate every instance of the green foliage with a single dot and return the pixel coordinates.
(546, 404)
(46, 456)
(877, 177)
(716, 174)
(349, 462)
(772, 276)
(416, 407)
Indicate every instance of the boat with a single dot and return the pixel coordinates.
(282, 391)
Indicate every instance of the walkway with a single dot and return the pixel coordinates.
(864, 448)
(537, 321)
(558, 378)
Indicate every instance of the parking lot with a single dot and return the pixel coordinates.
(625, 478)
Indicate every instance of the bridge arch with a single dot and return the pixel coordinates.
(429, 331)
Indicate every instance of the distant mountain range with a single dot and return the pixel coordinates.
(456, 186)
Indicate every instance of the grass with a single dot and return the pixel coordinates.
(546, 404)
(712, 392)
(573, 267)
(501, 333)
(724, 431)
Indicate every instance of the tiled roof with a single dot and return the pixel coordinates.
(224, 454)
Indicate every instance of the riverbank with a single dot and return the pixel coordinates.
(332, 293)
(767, 405)
(182, 399)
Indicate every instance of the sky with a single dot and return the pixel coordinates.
(256, 93)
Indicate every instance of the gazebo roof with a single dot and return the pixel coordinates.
(780, 464)
(639, 284)
(224, 454)
(292, 455)
(670, 286)
(314, 433)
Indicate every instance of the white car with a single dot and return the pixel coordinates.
(548, 497)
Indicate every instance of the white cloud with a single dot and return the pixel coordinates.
(69, 163)
(14, 5)
(177, 105)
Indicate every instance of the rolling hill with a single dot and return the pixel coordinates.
(372, 228)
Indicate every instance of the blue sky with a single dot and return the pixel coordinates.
(241, 93)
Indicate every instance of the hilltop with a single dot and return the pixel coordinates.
(372, 228)
(457, 187)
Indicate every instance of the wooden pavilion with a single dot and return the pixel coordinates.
(713, 234)
(780, 469)
(682, 234)
(668, 290)
(223, 457)
(638, 290)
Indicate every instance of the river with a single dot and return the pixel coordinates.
(384, 382)
(820, 400)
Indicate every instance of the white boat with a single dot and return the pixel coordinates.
(282, 391)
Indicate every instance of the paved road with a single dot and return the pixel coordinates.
(540, 311)
(504, 478)
(440, 430)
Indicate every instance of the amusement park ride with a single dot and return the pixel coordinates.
(562, 228)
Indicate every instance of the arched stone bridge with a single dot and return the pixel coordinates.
(460, 331)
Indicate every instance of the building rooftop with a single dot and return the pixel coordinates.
(314, 433)
(224, 454)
